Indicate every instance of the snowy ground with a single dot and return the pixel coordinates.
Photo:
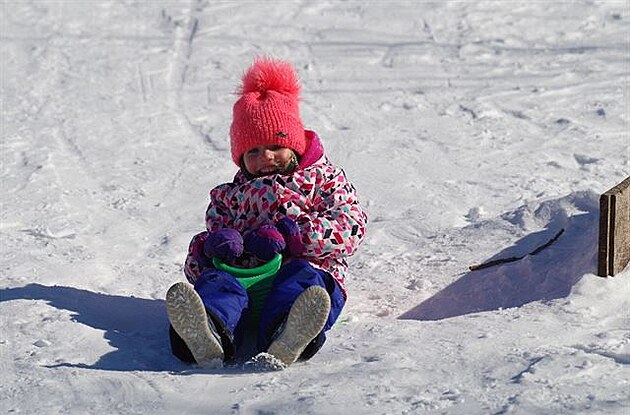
(472, 130)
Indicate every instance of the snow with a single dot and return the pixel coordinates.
(472, 130)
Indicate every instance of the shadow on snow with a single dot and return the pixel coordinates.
(136, 327)
(548, 275)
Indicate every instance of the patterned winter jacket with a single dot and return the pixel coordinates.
(317, 195)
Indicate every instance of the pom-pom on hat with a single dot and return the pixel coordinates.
(267, 111)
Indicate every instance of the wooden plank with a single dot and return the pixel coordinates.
(604, 239)
(614, 230)
(622, 229)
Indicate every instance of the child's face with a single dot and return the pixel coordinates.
(264, 160)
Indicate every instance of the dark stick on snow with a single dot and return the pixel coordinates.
(515, 258)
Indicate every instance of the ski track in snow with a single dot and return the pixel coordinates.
(473, 131)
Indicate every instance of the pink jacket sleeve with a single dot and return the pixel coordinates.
(336, 225)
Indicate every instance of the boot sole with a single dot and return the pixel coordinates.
(188, 317)
(306, 319)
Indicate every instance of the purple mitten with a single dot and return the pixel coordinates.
(264, 242)
(291, 232)
(225, 244)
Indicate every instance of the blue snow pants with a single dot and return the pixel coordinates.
(226, 302)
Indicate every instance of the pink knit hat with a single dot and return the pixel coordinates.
(267, 112)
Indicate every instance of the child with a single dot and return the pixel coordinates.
(286, 198)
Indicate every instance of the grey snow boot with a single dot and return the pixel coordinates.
(189, 319)
(305, 321)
